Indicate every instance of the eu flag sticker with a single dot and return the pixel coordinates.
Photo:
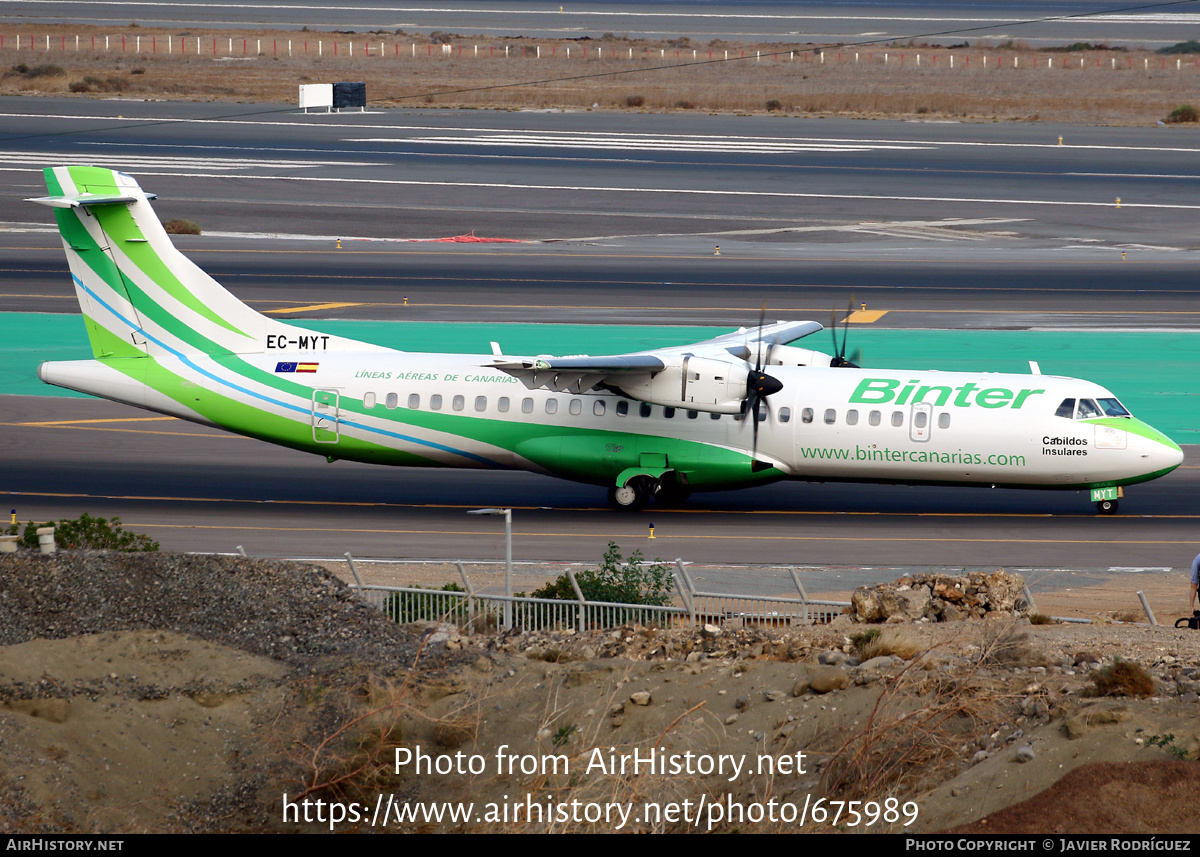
(285, 367)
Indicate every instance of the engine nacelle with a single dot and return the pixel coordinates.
(787, 355)
(695, 383)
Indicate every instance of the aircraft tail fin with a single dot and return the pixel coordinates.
(139, 295)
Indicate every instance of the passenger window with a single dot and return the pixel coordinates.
(920, 419)
(481, 403)
(645, 409)
(527, 406)
(552, 406)
(874, 418)
(806, 415)
(575, 407)
(1066, 409)
(669, 413)
(944, 419)
(622, 408)
(1086, 410)
(693, 414)
(715, 416)
(502, 404)
(785, 414)
(368, 400)
(852, 417)
(435, 402)
(761, 413)
(897, 418)
(458, 403)
(393, 399)
(598, 408)
(830, 417)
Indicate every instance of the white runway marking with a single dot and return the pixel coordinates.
(338, 123)
(665, 143)
(713, 192)
(120, 162)
(1160, 18)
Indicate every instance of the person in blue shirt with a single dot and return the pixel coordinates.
(1195, 581)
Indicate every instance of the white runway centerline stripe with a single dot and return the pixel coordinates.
(337, 124)
(162, 162)
(763, 146)
(712, 192)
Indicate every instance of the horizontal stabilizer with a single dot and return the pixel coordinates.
(86, 199)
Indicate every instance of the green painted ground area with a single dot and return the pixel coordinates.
(1154, 374)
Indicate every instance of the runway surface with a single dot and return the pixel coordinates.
(196, 489)
(944, 226)
(764, 20)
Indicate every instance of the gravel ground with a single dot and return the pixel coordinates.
(164, 692)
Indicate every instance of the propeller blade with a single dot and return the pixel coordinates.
(839, 352)
(762, 320)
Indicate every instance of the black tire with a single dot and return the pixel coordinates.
(1107, 507)
(630, 498)
(670, 494)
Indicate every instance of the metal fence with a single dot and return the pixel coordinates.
(474, 612)
(478, 612)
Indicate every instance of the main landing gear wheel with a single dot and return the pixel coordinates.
(1106, 507)
(673, 496)
(670, 491)
(631, 497)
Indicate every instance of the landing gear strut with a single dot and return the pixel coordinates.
(1106, 507)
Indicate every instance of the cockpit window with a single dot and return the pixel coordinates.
(1087, 409)
(1113, 408)
(1066, 409)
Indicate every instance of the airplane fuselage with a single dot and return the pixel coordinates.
(453, 410)
(738, 409)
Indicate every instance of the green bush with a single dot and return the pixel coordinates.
(616, 581)
(412, 607)
(86, 533)
(1191, 46)
(1183, 113)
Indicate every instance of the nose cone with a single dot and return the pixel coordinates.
(1163, 453)
(1173, 456)
(764, 384)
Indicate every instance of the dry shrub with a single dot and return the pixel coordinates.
(347, 744)
(914, 730)
(1041, 619)
(891, 642)
(1122, 678)
(1005, 646)
(178, 226)
(635, 100)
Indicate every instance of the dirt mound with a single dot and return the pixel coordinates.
(182, 693)
(1106, 797)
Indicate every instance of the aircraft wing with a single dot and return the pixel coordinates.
(581, 373)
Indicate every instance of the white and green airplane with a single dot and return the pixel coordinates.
(653, 424)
